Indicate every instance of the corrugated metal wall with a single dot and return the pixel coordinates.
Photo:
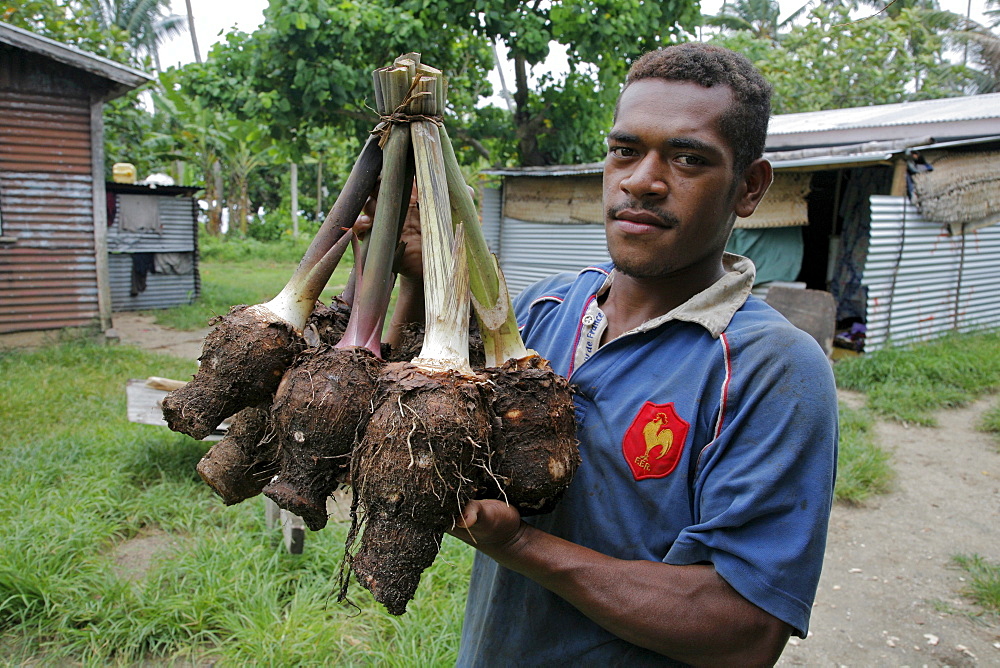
(178, 234)
(489, 211)
(48, 275)
(530, 252)
(922, 282)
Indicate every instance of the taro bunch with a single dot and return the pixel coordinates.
(440, 433)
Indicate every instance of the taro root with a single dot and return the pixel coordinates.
(242, 361)
(535, 447)
(326, 397)
(413, 474)
(244, 357)
(317, 410)
(330, 322)
(238, 466)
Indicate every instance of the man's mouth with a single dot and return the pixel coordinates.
(641, 217)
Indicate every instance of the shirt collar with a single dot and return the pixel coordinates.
(713, 307)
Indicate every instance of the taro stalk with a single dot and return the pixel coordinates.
(413, 471)
(325, 397)
(244, 357)
(535, 452)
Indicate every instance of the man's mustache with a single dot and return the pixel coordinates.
(665, 217)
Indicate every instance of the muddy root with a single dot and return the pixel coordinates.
(413, 473)
(238, 466)
(321, 404)
(536, 453)
(242, 362)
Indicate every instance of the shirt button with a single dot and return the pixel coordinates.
(588, 320)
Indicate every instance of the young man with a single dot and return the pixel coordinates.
(694, 529)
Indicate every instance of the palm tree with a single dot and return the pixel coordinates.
(145, 21)
(758, 17)
(982, 44)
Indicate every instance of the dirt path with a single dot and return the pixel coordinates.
(889, 595)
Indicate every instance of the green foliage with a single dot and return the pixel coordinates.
(909, 383)
(984, 581)
(831, 62)
(862, 466)
(75, 490)
(70, 22)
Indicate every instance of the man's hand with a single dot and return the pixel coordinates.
(489, 524)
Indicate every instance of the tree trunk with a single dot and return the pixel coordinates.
(525, 123)
(194, 36)
(295, 200)
(319, 189)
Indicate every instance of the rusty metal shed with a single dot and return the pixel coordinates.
(53, 214)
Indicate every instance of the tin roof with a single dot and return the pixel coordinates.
(121, 78)
(942, 120)
(846, 137)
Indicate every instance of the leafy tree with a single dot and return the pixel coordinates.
(69, 23)
(981, 44)
(757, 17)
(601, 38)
(832, 61)
(144, 22)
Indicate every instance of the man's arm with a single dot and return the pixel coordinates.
(688, 613)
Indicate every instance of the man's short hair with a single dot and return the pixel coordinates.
(744, 124)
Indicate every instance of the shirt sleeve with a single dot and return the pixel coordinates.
(763, 486)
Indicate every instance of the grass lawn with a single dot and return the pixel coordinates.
(910, 383)
(77, 481)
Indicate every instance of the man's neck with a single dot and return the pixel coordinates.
(631, 301)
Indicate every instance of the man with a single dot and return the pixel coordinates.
(694, 529)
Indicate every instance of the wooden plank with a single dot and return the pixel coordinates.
(144, 396)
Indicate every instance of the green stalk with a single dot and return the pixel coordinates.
(490, 298)
(446, 286)
(375, 284)
(296, 300)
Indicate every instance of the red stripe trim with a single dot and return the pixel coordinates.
(726, 353)
(545, 298)
(579, 330)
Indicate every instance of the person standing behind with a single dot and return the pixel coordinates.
(694, 530)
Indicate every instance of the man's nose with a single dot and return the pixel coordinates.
(646, 180)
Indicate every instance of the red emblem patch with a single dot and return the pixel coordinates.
(653, 443)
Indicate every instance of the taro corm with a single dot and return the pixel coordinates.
(415, 468)
(325, 397)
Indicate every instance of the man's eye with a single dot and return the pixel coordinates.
(690, 160)
(621, 151)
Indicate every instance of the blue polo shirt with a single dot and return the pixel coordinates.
(708, 434)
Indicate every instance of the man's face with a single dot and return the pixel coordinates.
(669, 186)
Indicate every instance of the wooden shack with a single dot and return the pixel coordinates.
(53, 213)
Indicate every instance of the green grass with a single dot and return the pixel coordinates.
(910, 383)
(863, 467)
(983, 585)
(77, 480)
(991, 420)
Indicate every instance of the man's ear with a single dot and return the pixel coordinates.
(756, 180)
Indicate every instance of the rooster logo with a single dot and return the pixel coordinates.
(654, 443)
(656, 434)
